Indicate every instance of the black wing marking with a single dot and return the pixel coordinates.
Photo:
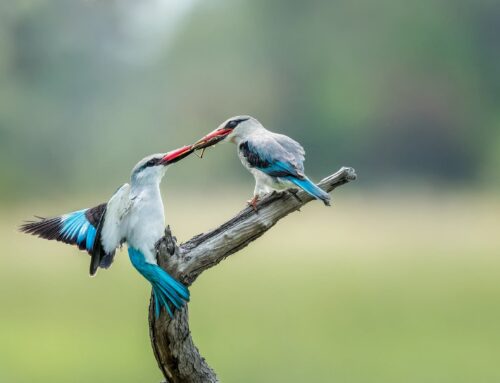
(98, 257)
(81, 228)
(270, 159)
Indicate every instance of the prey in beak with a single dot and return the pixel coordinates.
(218, 134)
(177, 155)
(210, 140)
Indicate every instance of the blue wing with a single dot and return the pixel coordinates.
(75, 228)
(279, 156)
(268, 156)
(81, 228)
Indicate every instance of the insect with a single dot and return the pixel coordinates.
(201, 154)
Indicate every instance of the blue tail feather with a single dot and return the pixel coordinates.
(157, 306)
(160, 300)
(166, 290)
(312, 189)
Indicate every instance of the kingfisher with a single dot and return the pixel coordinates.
(275, 160)
(134, 215)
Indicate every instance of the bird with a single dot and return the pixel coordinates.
(135, 215)
(275, 160)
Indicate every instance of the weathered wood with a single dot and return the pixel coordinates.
(176, 354)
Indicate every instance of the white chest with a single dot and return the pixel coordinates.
(146, 222)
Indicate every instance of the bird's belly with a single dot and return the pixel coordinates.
(282, 184)
(271, 183)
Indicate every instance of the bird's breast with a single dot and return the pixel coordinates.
(146, 224)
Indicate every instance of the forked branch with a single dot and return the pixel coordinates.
(175, 352)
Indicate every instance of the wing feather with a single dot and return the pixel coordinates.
(97, 230)
(78, 228)
(268, 155)
(110, 229)
(291, 146)
(115, 217)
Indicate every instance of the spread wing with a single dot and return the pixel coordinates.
(95, 230)
(80, 228)
(275, 158)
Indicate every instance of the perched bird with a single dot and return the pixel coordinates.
(275, 160)
(135, 215)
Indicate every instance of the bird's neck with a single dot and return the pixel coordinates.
(149, 187)
(248, 134)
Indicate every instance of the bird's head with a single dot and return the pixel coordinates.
(231, 130)
(152, 168)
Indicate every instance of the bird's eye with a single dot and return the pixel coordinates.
(232, 124)
(151, 163)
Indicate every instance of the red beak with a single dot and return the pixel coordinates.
(176, 155)
(212, 138)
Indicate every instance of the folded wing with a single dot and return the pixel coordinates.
(269, 156)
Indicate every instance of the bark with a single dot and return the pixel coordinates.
(176, 354)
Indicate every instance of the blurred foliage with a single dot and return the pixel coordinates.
(410, 89)
(398, 287)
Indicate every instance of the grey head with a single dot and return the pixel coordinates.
(152, 168)
(231, 130)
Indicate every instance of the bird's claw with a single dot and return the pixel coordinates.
(253, 203)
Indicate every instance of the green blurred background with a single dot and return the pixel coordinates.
(397, 282)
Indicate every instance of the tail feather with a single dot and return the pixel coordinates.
(166, 290)
(161, 301)
(310, 188)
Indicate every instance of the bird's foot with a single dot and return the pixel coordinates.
(294, 193)
(253, 203)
